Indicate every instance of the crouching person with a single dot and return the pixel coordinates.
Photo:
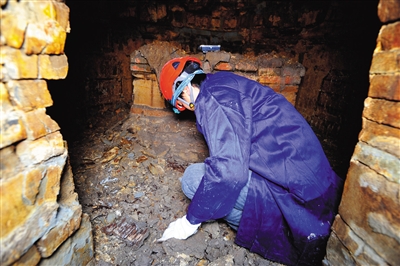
(267, 174)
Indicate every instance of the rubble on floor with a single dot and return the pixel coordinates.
(127, 171)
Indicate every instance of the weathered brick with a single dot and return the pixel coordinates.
(67, 222)
(232, 36)
(256, 34)
(290, 89)
(83, 243)
(200, 32)
(140, 68)
(67, 195)
(31, 257)
(30, 185)
(22, 238)
(3, 72)
(177, 13)
(229, 23)
(275, 87)
(388, 10)
(309, 18)
(47, 33)
(385, 62)
(293, 69)
(290, 93)
(53, 66)
(12, 128)
(39, 124)
(381, 111)
(5, 103)
(216, 13)
(207, 68)
(215, 23)
(287, 80)
(169, 34)
(157, 11)
(371, 207)
(50, 185)
(382, 162)
(269, 71)
(56, 37)
(268, 61)
(246, 66)
(344, 234)
(222, 66)
(337, 253)
(147, 93)
(35, 151)
(249, 75)
(244, 34)
(62, 14)
(216, 57)
(12, 27)
(288, 71)
(202, 22)
(49, 11)
(274, 20)
(385, 86)
(35, 39)
(76, 250)
(18, 65)
(270, 79)
(13, 210)
(139, 75)
(68, 216)
(29, 94)
(383, 137)
(258, 20)
(292, 80)
(389, 37)
(43, 10)
(291, 97)
(136, 109)
(357, 250)
(137, 58)
(9, 163)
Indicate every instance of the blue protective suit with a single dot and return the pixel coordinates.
(293, 193)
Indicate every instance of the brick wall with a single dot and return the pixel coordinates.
(328, 38)
(367, 229)
(41, 218)
(283, 75)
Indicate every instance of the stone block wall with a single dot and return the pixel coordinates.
(367, 229)
(41, 218)
(283, 75)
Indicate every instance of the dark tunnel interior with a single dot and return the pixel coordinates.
(336, 38)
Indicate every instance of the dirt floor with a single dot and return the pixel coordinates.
(126, 168)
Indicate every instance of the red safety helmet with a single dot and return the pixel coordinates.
(170, 72)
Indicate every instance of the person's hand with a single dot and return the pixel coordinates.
(179, 229)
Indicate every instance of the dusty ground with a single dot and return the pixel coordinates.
(126, 169)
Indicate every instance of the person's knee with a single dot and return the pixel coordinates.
(191, 179)
(233, 218)
(187, 187)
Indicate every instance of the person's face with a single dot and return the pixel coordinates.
(186, 96)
